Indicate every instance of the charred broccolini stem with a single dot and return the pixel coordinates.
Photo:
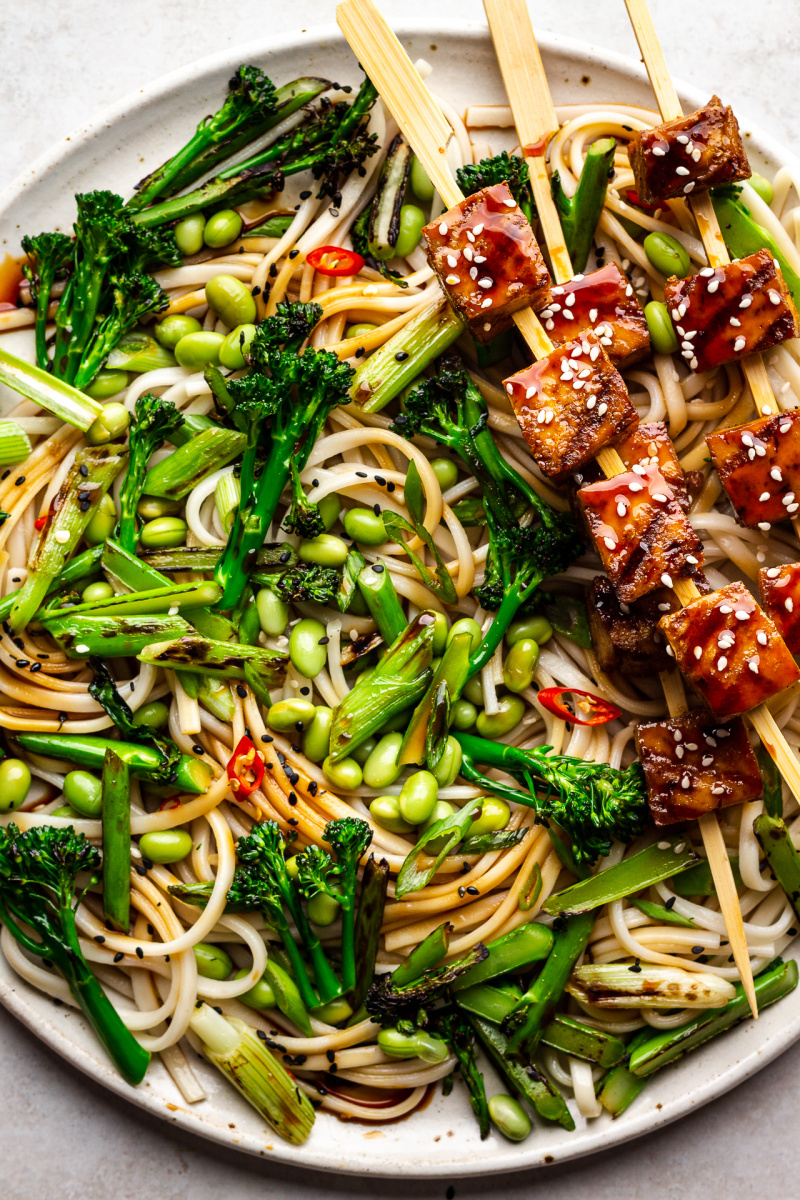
(38, 878)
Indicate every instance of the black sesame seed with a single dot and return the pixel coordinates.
(312, 788)
(293, 253)
(139, 952)
(35, 667)
(472, 891)
(315, 483)
(273, 271)
(266, 737)
(148, 866)
(462, 892)
(376, 508)
(99, 939)
(19, 482)
(636, 968)
(390, 487)
(241, 691)
(362, 475)
(360, 352)
(292, 799)
(697, 949)
(305, 195)
(6, 474)
(284, 558)
(198, 749)
(330, 1055)
(401, 356)
(381, 482)
(334, 212)
(292, 821)
(323, 641)
(255, 291)
(118, 957)
(378, 568)
(670, 904)
(139, 869)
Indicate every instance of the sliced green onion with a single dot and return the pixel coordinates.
(227, 495)
(190, 464)
(57, 397)
(15, 445)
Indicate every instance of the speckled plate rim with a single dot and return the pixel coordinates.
(670, 1095)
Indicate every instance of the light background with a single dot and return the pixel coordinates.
(63, 1137)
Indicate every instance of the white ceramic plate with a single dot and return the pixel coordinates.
(441, 1140)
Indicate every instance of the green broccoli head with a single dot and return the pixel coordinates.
(251, 95)
(284, 332)
(38, 873)
(49, 256)
(502, 168)
(350, 838)
(520, 557)
(304, 583)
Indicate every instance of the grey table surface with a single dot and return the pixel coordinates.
(63, 1136)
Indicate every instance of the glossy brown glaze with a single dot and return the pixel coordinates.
(571, 404)
(759, 466)
(688, 155)
(730, 651)
(488, 260)
(726, 312)
(780, 595)
(603, 302)
(641, 532)
(693, 765)
(626, 637)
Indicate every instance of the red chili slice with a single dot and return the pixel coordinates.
(168, 805)
(633, 198)
(245, 769)
(335, 260)
(599, 711)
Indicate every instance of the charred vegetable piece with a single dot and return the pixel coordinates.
(759, 466)
(730, 651)
(780, 594)
(203, 654)
(488, 261)
(693, 765)
(690, 154)
(641, 532)
(626, 637)
(603, 303)
(726, 312)
(570, 404)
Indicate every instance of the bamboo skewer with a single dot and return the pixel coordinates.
(528, 92)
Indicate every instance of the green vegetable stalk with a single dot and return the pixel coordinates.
(382, 376)
(526, 1080)
(38, 873)
(226, 660)
(87, 481)
(108, 635)
(368, 926)
(580, 214)
(186, 775)
(175, 476)
(633, 874)
(153, 421)
(116, 825)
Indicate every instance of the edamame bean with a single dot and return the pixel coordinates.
(325, 550)
(102, 523)
(537, 628)
(473, 690)
(329, 508)
(307, 654)
(510, 1117)
(660, 327)
(364, 526)
(64, 810)
(112, 423)
(167, 846)
(15, 783)
(667, 254)
(84, 792)
(170, 331)
(334, 1012)
(163, 532)
(222, 229)
(463, 715)
(322, 909)
(287, 715)
(317, 738)
(420, 180)
(512, 710)
(345, 774)
(197, 350)
(153, 715)
(381, 769)
(212, 961)
(762, 187)
(292, 868)
(441, 630)
(260, 996)
(495, 814)
(362, 752)
(273, 613)
(189, 234)
(447, 769)
(412, 220)
(236, 345)
(385, 811)
(519, 665)
(231, 300)
(418, 797)
(419, 1044)
(466, 625)
(150, 507)
(356, 330)
(446, 472)
(441, 809)
(106, 384)
(97, 591)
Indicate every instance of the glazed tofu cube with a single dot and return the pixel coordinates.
(641, 532)
(570, 404)
(759, 466)
(726, 312)
(780, 595)
(693, 765)
(487, 260)
(603, 302)
(690, 154)
(626, 637)
(730, 651)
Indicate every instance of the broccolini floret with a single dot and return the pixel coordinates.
(48, 259)
(501, 168)
(153, 421)
(39, 869)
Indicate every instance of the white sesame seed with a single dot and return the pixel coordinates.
(689, 187)
(473, 272)
(622, 508)
(773, 572)
(487, 303)
(753, 664)
(712, 287)
(468, 253)
(788, 604)
(609, 543)
(478, 229)
(679, 751)
(660, 497)
(592, 315)
(690, 558)
(707, 760)
(470, 235)
(681, 170)
(602, 409)
(540, 416)
(725, 608)
(61, 536)
(722, 663)
(570, 300)
(453, 279)
(739, 344)
(735, 321)
(530, 393)
(659, 151)
(590, 403)
(685, 783)
(82, 649)
(452, 260)
(594, 353)
(764, 496)
(683, 138)
(510, 203)
(635, 487)
(691, 745)
(664, 607)
(707, 272)
(696, 155)
(698, 652)
(487, 325)
(486, 282)
(549, 326)
(764, 526)
(443, 228)
(717, 789)
(480, 258)
(774, 297)
(509, 386)
(710, 741)
(761, 451)
(761, 638)
(785, 427)
(745, 301)
(666, 580)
